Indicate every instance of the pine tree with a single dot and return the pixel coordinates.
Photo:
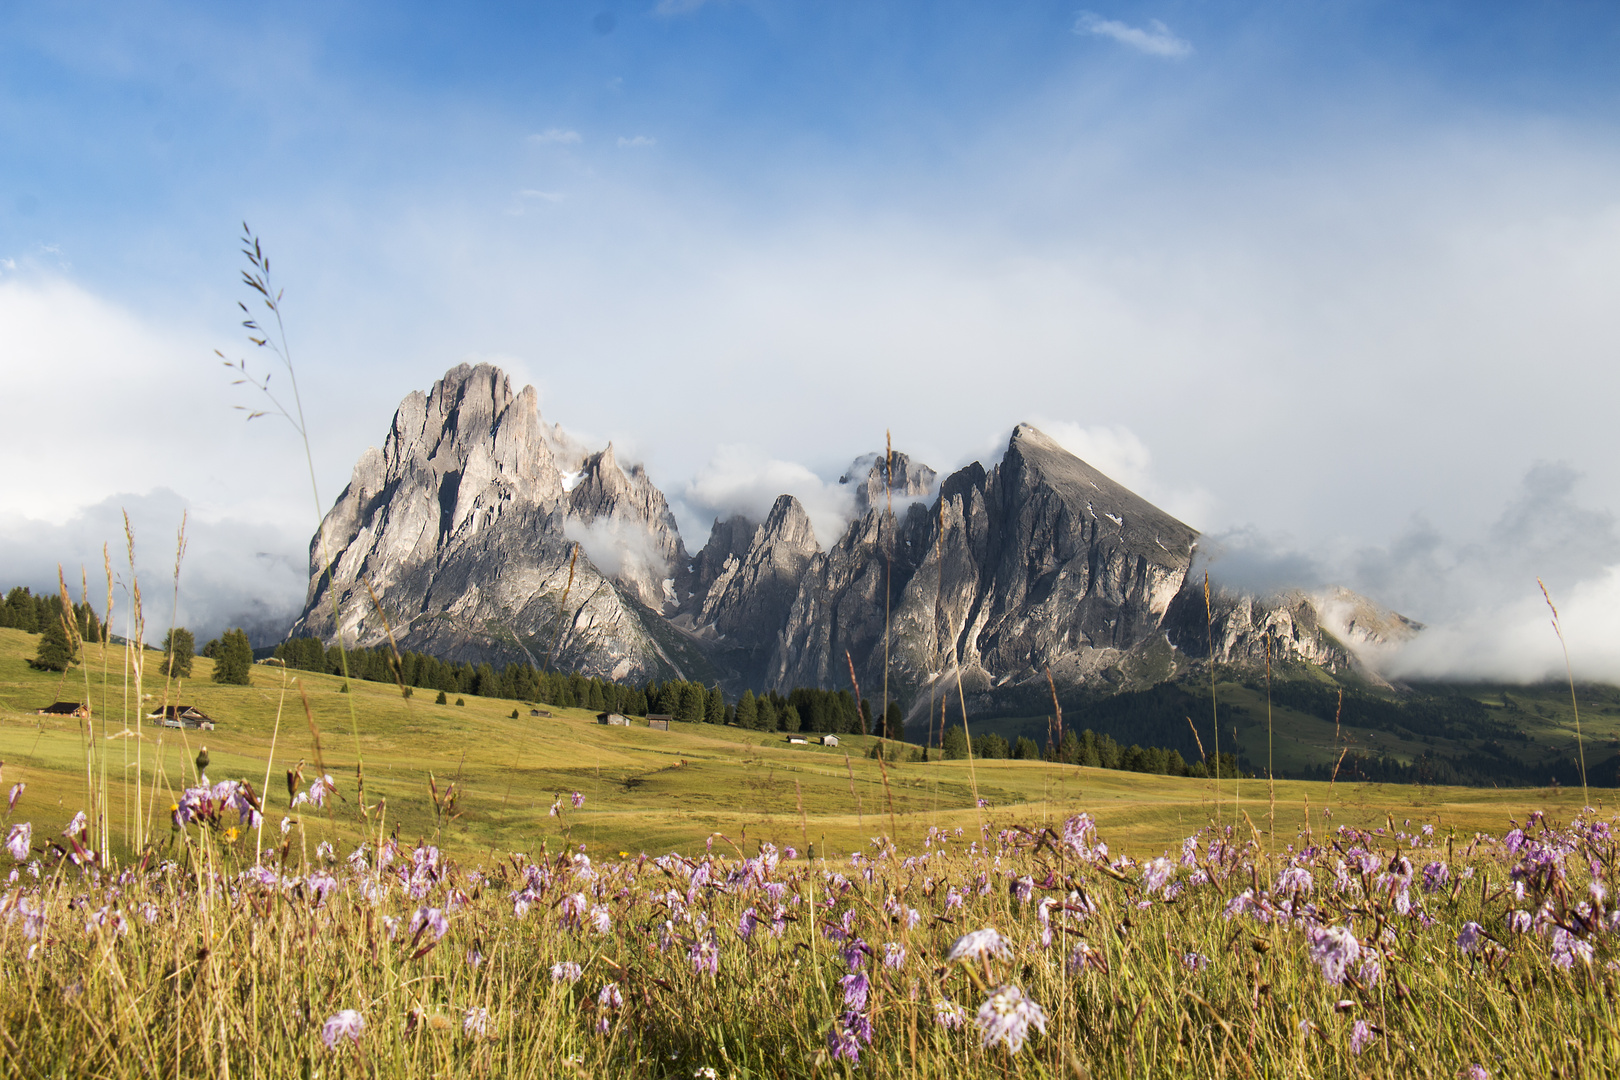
(955, 745)
(693, 701)
(20, 610)
(58, 646)
(178, 648)
(233, 663)
(747, 711)
(441, 699)
(714, 707)
(790, 719)
(894, 723)
(1026, 750)
(765, 709)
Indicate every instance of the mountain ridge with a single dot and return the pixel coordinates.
(479, 532)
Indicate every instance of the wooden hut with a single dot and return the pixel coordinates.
(64, 708)
(658, 721)
(612, 719)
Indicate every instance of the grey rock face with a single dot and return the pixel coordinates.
(483, 534)
(462, 538)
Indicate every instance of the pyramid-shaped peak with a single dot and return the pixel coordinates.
(1035, 459)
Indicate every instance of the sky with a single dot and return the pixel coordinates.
(1330, 280)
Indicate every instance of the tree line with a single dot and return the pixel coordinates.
(1088, 748)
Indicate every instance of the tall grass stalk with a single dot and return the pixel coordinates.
(1569, 672)
(1214, 707)
(257, 278)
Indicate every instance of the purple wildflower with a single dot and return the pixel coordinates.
(747, 923)
(1157, 874)
(949, 1015)
(17, 841)
(578, 800)
(1475, 1071)
(476, 1023)
(894, 955)
(347, 1024)
(16, 793)
(599, 919)
(76, 826)
(1334, 950)
(567, 971)
(1195, 961)
(433, 919)
(1006, 1017)
(855, 989)
(705, 956)
(1024, 888)
(1360, 1035)
(1469, 939)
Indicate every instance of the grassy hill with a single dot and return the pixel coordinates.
(644, 789)
(1476, 733)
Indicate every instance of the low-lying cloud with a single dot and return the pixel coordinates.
(738, 480)
(234, 573)
(1479, 599)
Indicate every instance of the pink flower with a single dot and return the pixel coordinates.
(567, 972)
(578, 800)
(1360, 1036)
(475, 1023)
(16, 792)
(347, 1024)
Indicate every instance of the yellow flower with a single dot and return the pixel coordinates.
(230, 834)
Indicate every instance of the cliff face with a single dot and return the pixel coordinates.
(484, 534)
(477, 546)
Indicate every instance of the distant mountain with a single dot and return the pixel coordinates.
(485, 534)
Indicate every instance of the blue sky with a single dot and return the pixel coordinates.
(1333, 281)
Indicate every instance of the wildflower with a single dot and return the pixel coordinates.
(1519, 922)
(325, 852)
(1334, 950)
(1024, 888)
(556, 806)
(1475, 1071)
(747, 922)
(706, 1073)
(76, 826)
(475, 1023)
(578, 800)
(320, 789)
(1195, 961)
(1006, 1017)
(18, 839)
(1567, 949)
(609, 997)
(431, 918)
(855, 989)
(843, 1042)
(1435, 877)
(567, 971)
(1295, 879)
(11, 800)
(953, 898)
(1157, 874)
(600, 920)
(979, 943)
(894, 955)
(347, 1024)
(705, 955)
(1469, 939)
(949, 1015)
(1360, 1036)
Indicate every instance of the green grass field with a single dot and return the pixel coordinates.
(644, 790)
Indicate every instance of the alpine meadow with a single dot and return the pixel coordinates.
(751, 636)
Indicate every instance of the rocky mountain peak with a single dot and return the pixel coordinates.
(877, 478)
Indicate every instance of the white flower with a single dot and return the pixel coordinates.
(979, 943)
(1006, 1017)
(347, 1024)
(567, 971)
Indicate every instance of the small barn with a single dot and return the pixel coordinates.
(64, 708)
(797, 740)
(540, 712)
(658, 721)
(829, 740)
(612, 719)
(182, 716)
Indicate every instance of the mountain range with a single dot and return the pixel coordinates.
(478, 532)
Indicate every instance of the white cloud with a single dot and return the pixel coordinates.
(739, 480)
(1155, 40)
(558, 136)
(235, 572)
(636, 141)
(619, 547)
